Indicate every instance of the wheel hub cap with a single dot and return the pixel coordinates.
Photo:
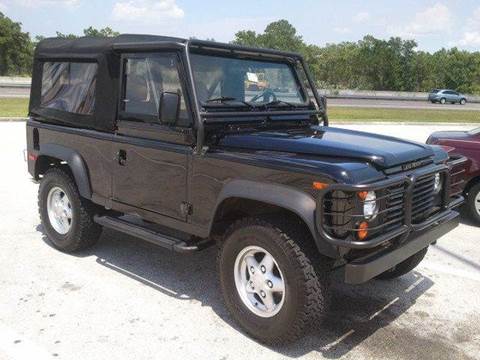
(259, 281)
(59, 210)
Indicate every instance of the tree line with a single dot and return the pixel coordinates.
(369, 64)
(374, 64)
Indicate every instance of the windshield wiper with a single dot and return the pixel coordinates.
(280, 102)
(220, 99)
(225, 99)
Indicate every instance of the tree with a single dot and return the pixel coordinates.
(247, 38)
(105, 32)
(16, 49)
(91, 32)
(279, 35)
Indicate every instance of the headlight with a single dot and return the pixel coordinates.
(438, 183)
(370, 206)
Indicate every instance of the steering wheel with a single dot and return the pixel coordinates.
(267, 94)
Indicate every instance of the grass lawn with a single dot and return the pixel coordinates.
(19, 108)
(347, 114)
(13, 107)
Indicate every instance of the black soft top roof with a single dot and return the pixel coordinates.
(91, 47)
(106, 53)
(94, 46)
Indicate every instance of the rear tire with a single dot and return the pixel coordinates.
(443, 101)
(473, 203)
(297, 263)
(404, 267)
(72, 232)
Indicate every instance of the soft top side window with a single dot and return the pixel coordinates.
(145, 78)
(69, 87)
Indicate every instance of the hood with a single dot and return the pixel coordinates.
(455, 139)
(382, 151)
(449, 134)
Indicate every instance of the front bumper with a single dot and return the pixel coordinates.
(364, 269)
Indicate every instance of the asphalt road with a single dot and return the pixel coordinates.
(400, 104)
(125, 299)
(14, 92)
(358, 103)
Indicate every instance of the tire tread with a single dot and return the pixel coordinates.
(88, 231)
(310, 270)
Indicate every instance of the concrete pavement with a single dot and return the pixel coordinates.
(126, 299)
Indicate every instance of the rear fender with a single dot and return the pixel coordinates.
(74, 161)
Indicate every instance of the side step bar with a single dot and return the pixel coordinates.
(146, 234)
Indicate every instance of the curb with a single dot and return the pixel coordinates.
(387, 98)
(13, 119)
(362, 122)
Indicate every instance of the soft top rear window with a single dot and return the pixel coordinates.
(69, 87)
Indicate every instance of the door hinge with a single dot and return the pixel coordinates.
(186, 208)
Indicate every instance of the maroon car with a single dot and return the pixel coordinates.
(466, 143)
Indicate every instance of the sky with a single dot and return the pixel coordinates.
(433, 24)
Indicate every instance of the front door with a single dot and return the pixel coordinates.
(151, 157)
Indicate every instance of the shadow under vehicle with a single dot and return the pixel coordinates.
(162, 139)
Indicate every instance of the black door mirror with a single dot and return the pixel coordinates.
(169, 108)
(323, 100)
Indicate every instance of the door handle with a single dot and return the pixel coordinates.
(121, 157)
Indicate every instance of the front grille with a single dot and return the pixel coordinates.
(423, 198)
(399, 204)
(395, 214)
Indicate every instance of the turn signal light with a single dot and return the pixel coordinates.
(362, 230)
(362, 195)
(319, 185)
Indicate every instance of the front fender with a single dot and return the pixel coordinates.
(294, 200)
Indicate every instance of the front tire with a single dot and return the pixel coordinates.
(272, 279)
(404, 267)
(463, 102)
(443, 101)
(473, 203)
(66, 217)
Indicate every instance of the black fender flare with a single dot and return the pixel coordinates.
(74, 161)
(294, 200)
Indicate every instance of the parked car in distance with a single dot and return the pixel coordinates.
(465, 143)
(444, 96)
(160, 138)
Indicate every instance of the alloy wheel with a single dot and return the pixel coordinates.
(259, 281)
(59, 210)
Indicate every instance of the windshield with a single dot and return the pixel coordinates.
(474, 131)
(229, 81)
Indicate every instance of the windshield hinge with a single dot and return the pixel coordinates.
(202, 152)
(186, 208)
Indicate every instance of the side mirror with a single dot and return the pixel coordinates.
(323, 100)
(169, 108)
